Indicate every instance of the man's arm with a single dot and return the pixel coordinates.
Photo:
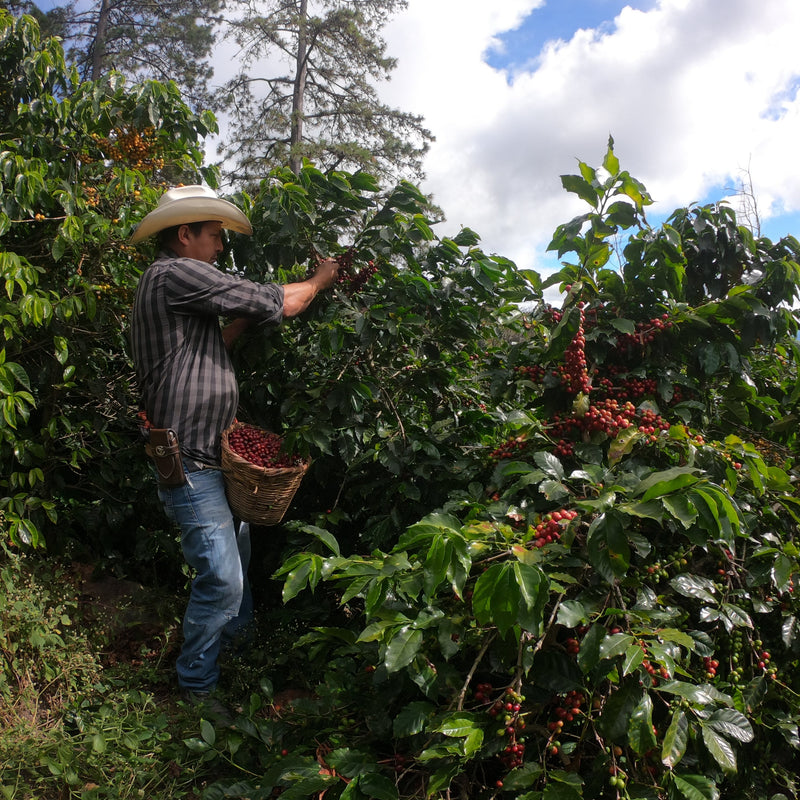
(296, 298)
(233, 330)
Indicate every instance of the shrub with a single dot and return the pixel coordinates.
(602, 603)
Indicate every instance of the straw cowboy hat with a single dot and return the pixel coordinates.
(190, 204)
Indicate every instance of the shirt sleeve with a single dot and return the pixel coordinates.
(197, 287)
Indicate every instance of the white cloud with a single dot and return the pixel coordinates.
(693, 92)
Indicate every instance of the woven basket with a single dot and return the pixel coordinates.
(256, 494)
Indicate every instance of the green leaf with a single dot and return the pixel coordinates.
(618, 709)
(533, 594)
(634, 656)
(616, 644)
(695, 787)
(608, 548)
(782, 572)
(441, 779)
(326, 537)
(496, 597)
(297, 580)
(458, 724)
(437, 562)
(623, 325)
(412, 718)
(589, 654)
(610, 160)
(675, 739)
(207, 732)
(640, 728)
(720, 748)
(553, 490)
(790, 631)
(429, 526)
(350, 763)
(571, 613)
(377, 786)
(578, 185)
(560, 791)
(668, 481)
(736, 617)
(681, 508)
(702, 694)
(550, 464)
(731, 723)
(623, 444)
(678, 637)
(694, 586)
(402, 648)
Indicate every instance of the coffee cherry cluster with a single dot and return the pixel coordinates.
(360, 278)
(508, 709)
(651, 424)
(139, 148)
(645, 333)
(260, 447)
(510, 448)
(573, 373)
(554, 314)
(534, 373)
(567, 709)
(653, 670)
(604, 416)
(483, 692)
(349, 280)
(628, 388)
(710, 665)
(549, 529)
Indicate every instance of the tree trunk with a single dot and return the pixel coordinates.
(99, 43)
(301, 71)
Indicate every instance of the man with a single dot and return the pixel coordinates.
(188, 387)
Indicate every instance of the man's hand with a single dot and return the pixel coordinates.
(326, 271)
(298, 296)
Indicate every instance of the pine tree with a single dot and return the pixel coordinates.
(143, 39)
(306, 90)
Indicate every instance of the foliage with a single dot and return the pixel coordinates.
(542, 553)
(168, 41)
(382, 385)
(79, 165)
(599, 598)
(324, 106)
(69, 728)
(37, 670)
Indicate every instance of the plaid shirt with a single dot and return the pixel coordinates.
(185, 376)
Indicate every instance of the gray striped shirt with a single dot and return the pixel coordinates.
(186, 378)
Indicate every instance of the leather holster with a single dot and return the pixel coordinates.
(163, 447)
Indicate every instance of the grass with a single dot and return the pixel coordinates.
(87, 705)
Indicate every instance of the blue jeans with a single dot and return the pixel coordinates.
(220, 604)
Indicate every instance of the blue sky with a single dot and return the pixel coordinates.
(556, 19)
(519, 49)
(697, 94)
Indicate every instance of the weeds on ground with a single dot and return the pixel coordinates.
(72, 728)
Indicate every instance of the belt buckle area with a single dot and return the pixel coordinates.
(195, 466)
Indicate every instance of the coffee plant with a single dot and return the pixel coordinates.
(543, 550)
(597, 599)
(80, 164)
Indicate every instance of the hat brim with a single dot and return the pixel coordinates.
(195, 209)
